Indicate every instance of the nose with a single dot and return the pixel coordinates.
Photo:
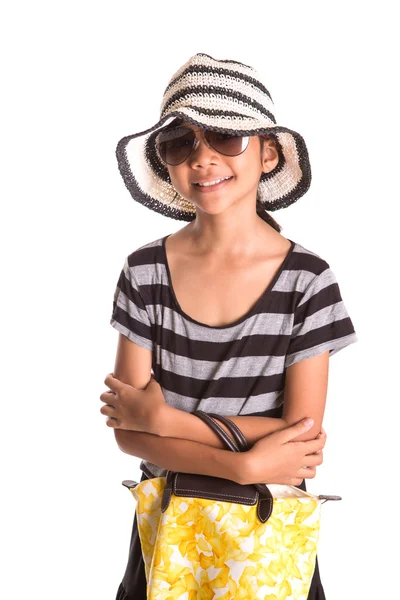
(202, 153)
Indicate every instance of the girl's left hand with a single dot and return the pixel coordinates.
(130, 408)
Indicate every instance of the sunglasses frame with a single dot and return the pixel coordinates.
(196, 143)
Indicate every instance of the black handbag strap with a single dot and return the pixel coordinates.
(215, 426)
(234, 429)
(265, 494)
(202, 485)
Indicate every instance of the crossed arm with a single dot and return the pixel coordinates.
(185, 443)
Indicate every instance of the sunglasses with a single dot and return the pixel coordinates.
(175, 145)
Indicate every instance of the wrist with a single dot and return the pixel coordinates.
(173, 422)
(159, 420)
(248, 469)
(239, 467)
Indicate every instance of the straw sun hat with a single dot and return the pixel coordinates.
(219, 95)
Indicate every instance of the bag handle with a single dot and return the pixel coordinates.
(241, 442)
(235, 431)
(215, 426)
(265, 503)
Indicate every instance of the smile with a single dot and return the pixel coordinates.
(212, 185)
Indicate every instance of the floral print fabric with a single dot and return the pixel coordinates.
(200, 549)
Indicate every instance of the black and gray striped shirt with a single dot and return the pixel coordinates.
(236, 369)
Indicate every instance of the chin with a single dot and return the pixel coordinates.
(217, 209)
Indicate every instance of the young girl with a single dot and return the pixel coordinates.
(232, 317)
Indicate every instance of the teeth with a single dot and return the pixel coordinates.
(212, 182)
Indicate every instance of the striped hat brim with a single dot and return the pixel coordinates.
(193, 95)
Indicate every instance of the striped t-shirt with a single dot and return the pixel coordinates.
(235, 369)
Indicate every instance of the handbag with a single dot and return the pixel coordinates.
(205, 537)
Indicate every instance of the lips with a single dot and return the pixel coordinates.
(211, 182)
(209, 189)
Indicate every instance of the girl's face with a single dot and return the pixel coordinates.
(206, 164)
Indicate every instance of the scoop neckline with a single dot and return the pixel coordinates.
(244, 317)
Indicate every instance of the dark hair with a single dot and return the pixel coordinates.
(261, 211)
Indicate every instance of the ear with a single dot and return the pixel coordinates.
(269, 156)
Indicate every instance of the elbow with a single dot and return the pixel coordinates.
(129, 442)
(120, 438)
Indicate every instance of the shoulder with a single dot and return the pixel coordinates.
(147, 254)
(305, 259)
(308, 271)
(145, 266)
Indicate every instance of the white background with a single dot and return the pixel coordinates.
(78, 76)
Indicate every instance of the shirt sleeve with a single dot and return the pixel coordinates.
(321, 321)
(129, 314)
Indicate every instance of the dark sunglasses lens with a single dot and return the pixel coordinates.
(227, 144)
(175, 145)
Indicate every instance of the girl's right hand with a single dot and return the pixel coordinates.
(277, 459)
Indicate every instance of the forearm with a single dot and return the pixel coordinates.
(183, 455)
(175, 423)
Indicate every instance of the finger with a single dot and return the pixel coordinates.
(318, 453)
(107, 394)
(309, 473)
(321, 437)
(312, 446)
(305, 470)
(297, 481)
(113, 383)
(295, 430)
(109, 398)
(108, 410)
(312, 460)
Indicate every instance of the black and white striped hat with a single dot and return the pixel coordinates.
(221, 95)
